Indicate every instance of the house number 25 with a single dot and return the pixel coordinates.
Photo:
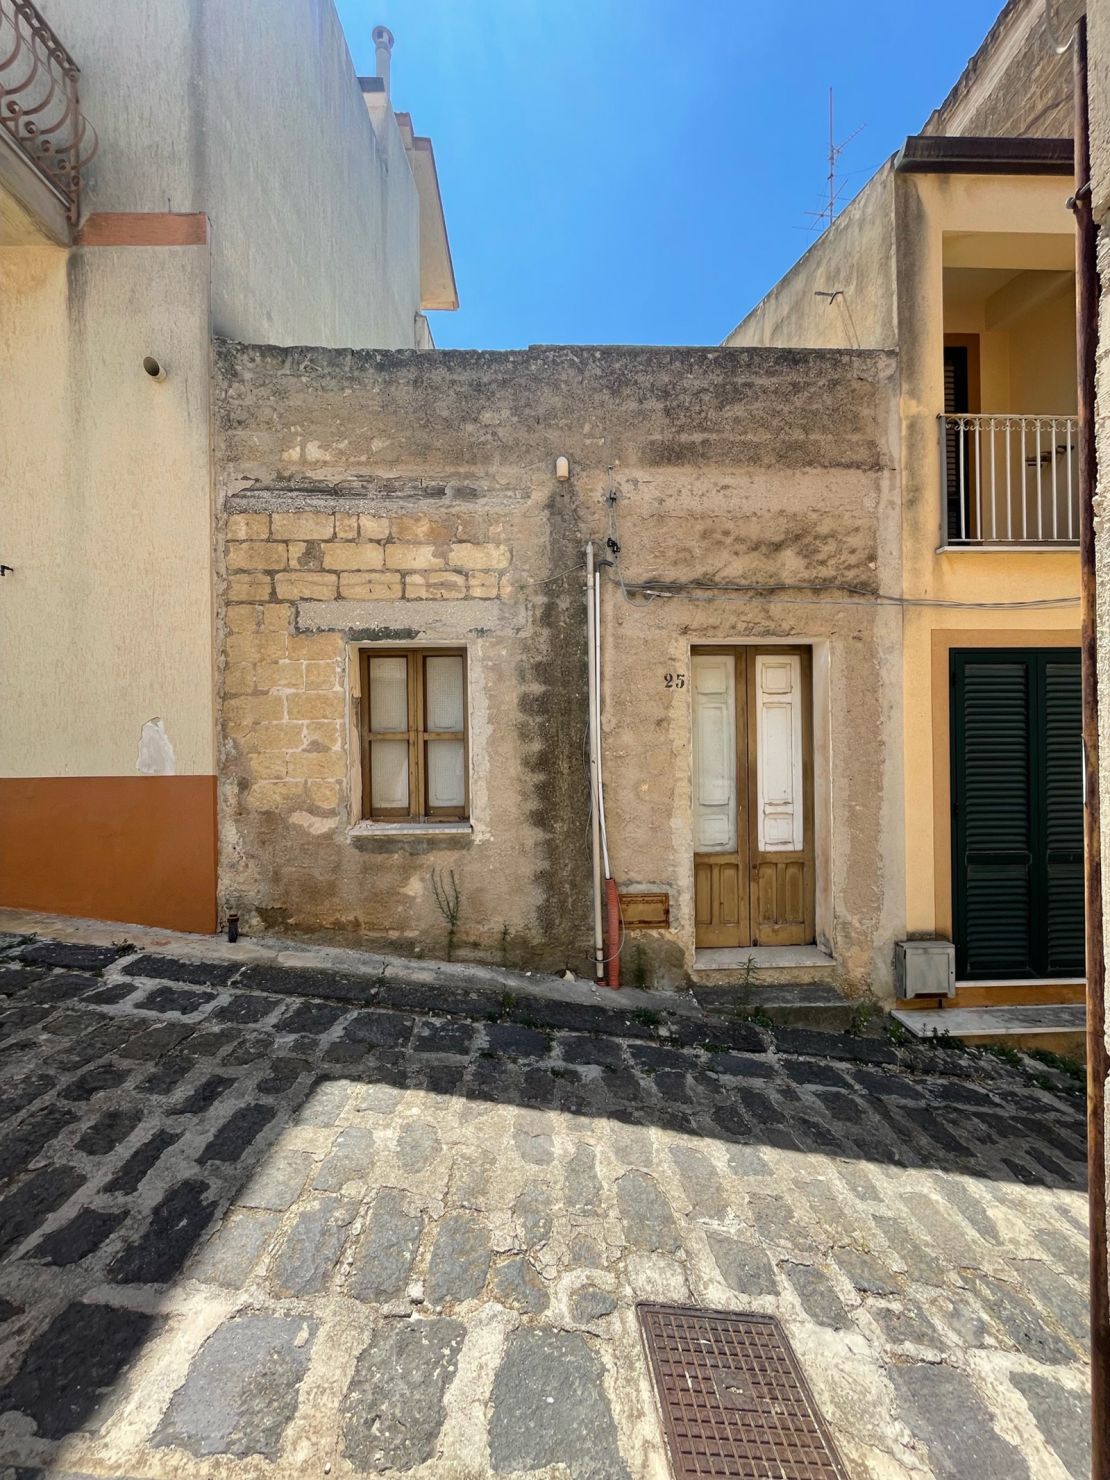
(674, 680)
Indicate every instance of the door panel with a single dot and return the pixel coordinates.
(1017, 791)
(720, 812)
(753, 863)
(780, 780)
(1062, 789)
(715, 780)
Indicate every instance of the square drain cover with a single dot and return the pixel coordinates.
(734, 1400)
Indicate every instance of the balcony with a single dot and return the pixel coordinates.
(45, 141)
(1008, 481)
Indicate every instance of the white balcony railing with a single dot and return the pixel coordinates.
(1009, 480)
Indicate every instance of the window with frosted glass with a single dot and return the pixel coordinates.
(414, 735)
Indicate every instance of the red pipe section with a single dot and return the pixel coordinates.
(612, 935)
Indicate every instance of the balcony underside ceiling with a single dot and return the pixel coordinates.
(31, 211)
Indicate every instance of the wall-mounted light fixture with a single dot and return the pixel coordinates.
(562, 469)
(154, 368)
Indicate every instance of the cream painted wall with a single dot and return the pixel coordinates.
(250, 112)
(854, 258)
(106, 621)
(932, 210)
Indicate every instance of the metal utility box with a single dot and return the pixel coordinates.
(924, 968)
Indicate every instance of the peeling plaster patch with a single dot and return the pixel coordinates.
(313, 824)
(156, 757)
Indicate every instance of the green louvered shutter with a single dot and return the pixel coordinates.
(993, 815)
(1017, 813)
(1061, 884)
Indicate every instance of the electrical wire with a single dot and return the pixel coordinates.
(856, 596)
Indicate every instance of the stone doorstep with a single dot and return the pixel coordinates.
(992, 1024)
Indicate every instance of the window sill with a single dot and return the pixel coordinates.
(410, 830)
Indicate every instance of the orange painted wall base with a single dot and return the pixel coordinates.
(141, 849)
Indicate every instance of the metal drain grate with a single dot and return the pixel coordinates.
(733, 1397)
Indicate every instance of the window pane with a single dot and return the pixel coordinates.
(389, 700)
(445, 700)
(446, 786)
(389, 774)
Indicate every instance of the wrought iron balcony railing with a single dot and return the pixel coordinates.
(38, 102)
(1009, 480)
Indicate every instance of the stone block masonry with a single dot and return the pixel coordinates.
(396, 501)
(285, 692)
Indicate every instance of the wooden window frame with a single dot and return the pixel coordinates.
(417, 736)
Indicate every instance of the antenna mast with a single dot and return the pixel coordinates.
(828, 214)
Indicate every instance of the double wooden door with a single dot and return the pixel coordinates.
(753, 796)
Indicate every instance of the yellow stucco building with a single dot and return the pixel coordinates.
(959, 257)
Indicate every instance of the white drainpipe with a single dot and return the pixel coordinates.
(595, 760)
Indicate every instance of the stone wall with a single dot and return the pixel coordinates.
(1016, 84)
(393, 498)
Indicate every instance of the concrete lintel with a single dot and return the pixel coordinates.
(410, 621)
(392, 496)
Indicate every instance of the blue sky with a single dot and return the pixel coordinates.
(640, 173)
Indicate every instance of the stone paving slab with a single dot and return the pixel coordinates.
(247, 1234)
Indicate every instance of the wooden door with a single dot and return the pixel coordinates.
(753, 797)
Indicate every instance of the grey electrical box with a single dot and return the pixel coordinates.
(924, 968)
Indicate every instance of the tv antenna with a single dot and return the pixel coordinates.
(827, 214)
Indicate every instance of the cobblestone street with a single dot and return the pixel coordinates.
(258, 1221)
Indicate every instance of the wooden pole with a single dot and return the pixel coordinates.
(1086, 291)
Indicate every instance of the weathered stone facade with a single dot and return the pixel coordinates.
(391, 499)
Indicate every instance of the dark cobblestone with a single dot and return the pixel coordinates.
(80, 1237)
(241, 1391)
(111, 993)
(172, 969)
(283, 1075)
(19, 1147)
(245, 1007)
(306, 1261)
(182, 1000)
(606, 1052)
(237, 1133)
(74, 956)
(203, 1096)
(66, 986)
(175, 1225)
(810, 1072)
(817, 1045)
(156, 1041)
(379, 1029)
(106, 1132)
(71, 1369)
(33, 1200)
(93, 1082)
(443, 1038)
(15, 979)
(309, 1017)
(167, 1076)
(331, 986)
(517, 1042)
(394, 1408)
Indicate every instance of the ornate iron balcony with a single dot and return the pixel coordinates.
(38, 102)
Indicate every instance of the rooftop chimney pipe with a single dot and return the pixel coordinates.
(383, 45)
